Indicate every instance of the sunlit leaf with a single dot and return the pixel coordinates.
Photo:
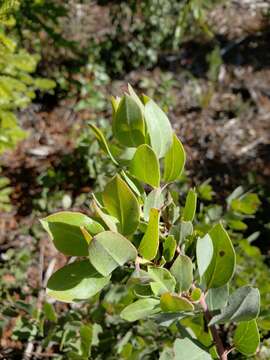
(150, 242)
(174, 303)
(246, 338)
(182, 270)
(174, 161)
(65, 230)
(76, 281)
(144, 166)
(158, 128)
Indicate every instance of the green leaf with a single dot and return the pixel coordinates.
(128, 123)
(190, 206)
(174, 161)
(186, 349)
(169, 247)
(204, 253)
(246, 337)
(158, 128)
(247, 204)
(121, 203)
(144, 166)
(44, 84)
(76, 281)
(110, 221)
(182, 231)
(108, 250)
(140, 309)
(163, 280)
(86, 334)
(243, 305)
(155, 199)
(217, 298)
(49, 312)
(182, 270)
(150, 241)
(102, 142)
(64, 229)
(135, 97)
(196, 294)
(174, 303)
(222, 265)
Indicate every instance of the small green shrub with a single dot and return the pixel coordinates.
(17, 85)
(173, 272)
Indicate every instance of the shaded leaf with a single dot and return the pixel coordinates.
(182, 270)
(108, 250)
(155, 199)
(128, 123)
(140, 309)
(163, 280)
(102, 142)
(186, 349)
(217, 298)
(121, 203)
(243, 305)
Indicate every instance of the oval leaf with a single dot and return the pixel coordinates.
(76, 281)
(108, 250)
(174, 161)
(158, 128)
(174, 303)
(190, 206)
(121, 203)
(246, 337)
(204, 253)
(222, 265)
(128, 123)
(187, 349)
(163, 280)
(144, 166)
(169, 247)
(140, 309)
(243, 305)
(182, 270)
(150, 241)
(65, 230)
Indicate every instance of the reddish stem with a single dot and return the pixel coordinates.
(222, 353)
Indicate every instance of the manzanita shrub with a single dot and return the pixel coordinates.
(176, 274)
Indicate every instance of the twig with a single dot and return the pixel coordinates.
(218, 342)
(28, 352)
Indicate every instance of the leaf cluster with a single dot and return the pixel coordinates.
(174, 273)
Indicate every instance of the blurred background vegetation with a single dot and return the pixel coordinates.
(207, 62)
